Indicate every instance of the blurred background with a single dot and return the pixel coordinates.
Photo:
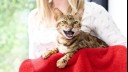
(13, 33)
(13, 28)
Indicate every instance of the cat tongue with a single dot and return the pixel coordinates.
(70, 33)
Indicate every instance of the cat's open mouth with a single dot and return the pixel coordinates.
(69, 34)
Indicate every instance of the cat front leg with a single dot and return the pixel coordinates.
(62, 62)
(49, 53)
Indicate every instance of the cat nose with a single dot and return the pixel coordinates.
(69, 28)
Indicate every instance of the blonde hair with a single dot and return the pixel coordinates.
(45, 12)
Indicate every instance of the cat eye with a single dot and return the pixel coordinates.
(75, 22)
(65, 22)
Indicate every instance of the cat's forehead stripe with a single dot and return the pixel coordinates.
(70, 17)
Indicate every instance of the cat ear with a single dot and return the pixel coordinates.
(57, 13)
(79, 14)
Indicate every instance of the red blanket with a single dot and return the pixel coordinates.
(111, 59)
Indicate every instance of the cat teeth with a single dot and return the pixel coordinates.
(70, 35)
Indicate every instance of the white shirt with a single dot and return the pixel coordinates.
(96, 20)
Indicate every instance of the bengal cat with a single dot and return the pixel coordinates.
(71, 38)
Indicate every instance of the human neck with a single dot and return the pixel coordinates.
(62, 5)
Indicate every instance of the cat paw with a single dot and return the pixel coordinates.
(45, 55)
(61, 63)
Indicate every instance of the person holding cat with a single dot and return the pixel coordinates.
(95, 20)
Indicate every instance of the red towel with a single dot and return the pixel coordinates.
(111, 59)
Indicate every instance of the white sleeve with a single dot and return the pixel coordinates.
(105, 27)
(32, 35)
